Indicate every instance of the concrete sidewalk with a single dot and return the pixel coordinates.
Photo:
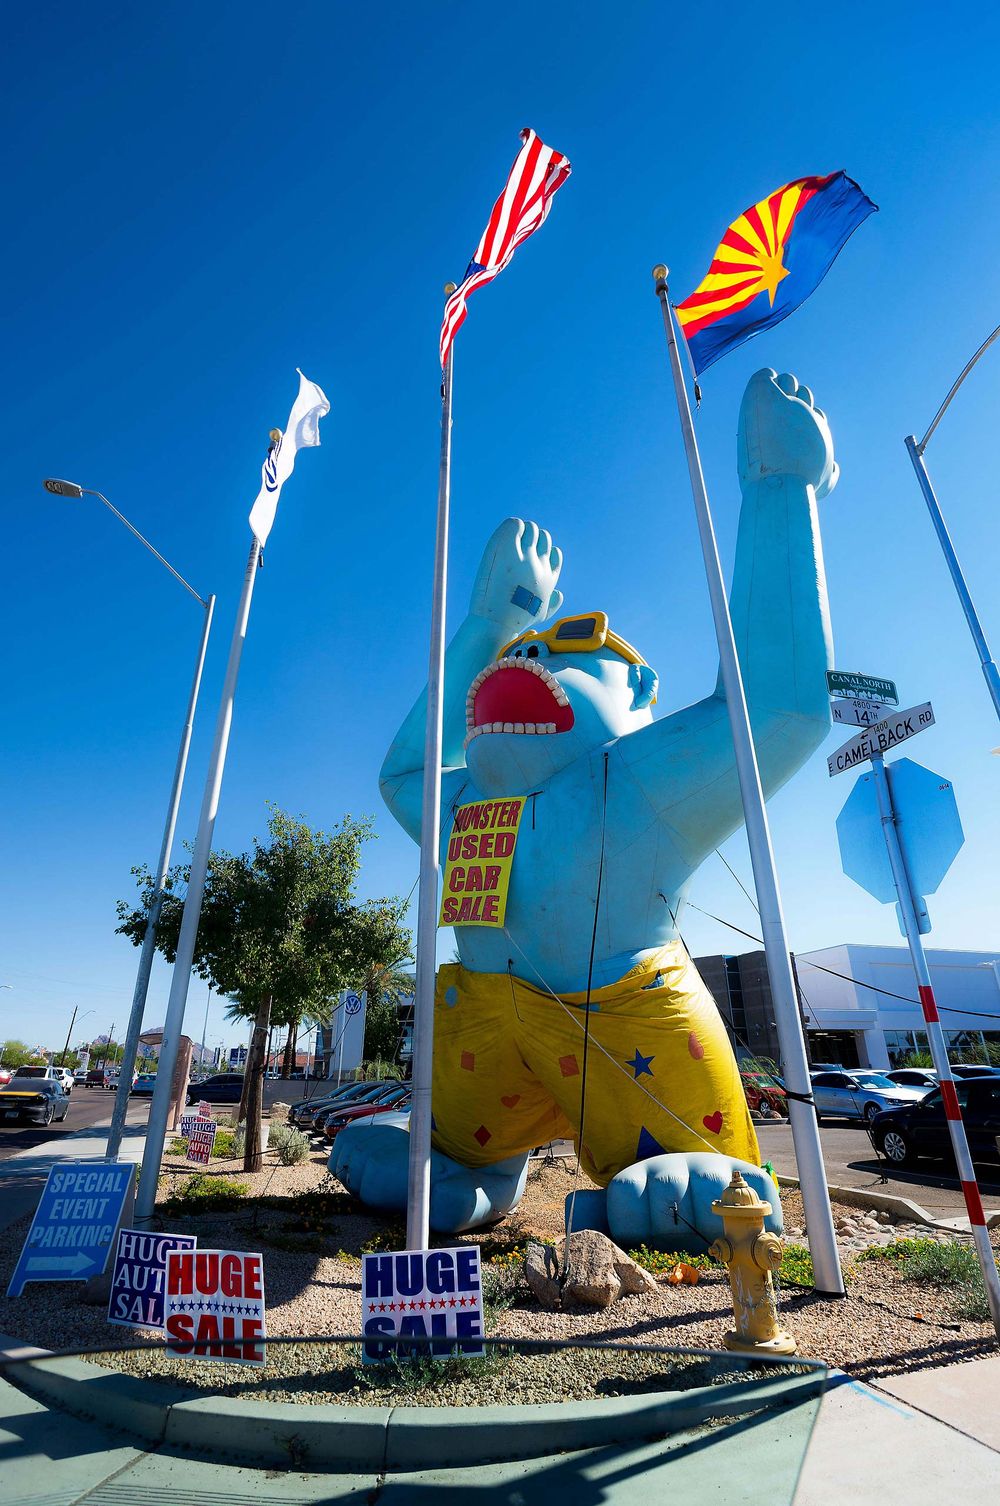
(867, 1444)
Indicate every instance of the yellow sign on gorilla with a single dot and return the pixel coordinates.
(477, 868)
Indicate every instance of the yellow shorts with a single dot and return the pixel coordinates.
(661, 1074)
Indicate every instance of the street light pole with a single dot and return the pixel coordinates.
(62, 1059)
(71, 489)
(915, 449)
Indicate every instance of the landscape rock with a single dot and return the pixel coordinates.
(599, 1272)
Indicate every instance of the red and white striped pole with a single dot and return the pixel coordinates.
(935, 1037)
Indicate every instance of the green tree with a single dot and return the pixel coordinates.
(16, 1054)
(280, 929)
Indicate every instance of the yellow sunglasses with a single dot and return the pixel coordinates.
(576, 635)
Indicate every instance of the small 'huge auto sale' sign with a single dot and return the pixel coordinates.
(139, 1275)
(435, 1294)
(214, 1305)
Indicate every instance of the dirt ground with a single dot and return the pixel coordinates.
(312, 1250)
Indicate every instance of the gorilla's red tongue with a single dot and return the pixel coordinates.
(516, 695)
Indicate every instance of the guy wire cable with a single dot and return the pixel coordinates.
(586, 1027)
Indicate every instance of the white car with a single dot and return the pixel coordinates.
(65, 1076)
(858, 1093)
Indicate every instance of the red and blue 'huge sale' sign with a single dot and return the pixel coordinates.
(214, 1305)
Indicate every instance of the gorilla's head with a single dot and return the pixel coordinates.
(550, 697)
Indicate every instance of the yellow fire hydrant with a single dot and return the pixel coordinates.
(751, 1255)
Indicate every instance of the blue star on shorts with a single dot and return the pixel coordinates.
(640, 1064)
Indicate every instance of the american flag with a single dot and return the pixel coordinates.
(537, 173)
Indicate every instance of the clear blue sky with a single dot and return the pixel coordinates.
(200, 198)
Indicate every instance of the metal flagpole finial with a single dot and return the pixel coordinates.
(450, 288)
(274, 435)
(660, 272)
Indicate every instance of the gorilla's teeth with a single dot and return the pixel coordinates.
(508, 726)
(518, 727)
(498, 726)
(550, 726)
(530, 727)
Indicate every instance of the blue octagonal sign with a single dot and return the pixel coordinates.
(930, 831)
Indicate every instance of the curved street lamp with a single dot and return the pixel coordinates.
(915, 450)
(72, 490)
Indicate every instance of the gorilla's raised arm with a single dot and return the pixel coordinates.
(684, 763)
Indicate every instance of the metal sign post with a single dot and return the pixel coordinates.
(935, 1037)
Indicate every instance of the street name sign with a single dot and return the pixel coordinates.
(880, 738)
(139, 1274)
(868, 687)
(74, 1227)
(858, 713)
(214, 1305)
(430, 1294)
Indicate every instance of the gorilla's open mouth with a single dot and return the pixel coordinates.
(516, 695)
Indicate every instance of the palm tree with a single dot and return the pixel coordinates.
(385, 986)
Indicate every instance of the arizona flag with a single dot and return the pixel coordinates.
(769, 261)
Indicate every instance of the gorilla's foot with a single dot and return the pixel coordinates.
(666, 1202)
(372, 1162)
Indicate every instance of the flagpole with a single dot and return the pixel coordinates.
(160, 1106)
(163, 867)
(828, 1276)
(418, 1191)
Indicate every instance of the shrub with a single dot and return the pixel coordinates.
(177, 1147)
(659, 1261)
(951, 1265)
(223, 1146)
(205, 1194)
(239, 1144)
(277, 1134)
(294, 1147)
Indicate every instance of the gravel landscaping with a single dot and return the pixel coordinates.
(312, 1243)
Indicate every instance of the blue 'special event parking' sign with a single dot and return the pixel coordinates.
(75, 1223)
(436, 1294)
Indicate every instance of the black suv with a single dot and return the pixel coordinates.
(225, 1087)
(920, 1129)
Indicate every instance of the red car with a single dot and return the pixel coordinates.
(758, 1088)
(335, 1123)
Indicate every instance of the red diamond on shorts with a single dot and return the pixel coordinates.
(568, 1066)
(468, 1061)
(482, 1135)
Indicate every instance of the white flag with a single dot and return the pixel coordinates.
(303, 429)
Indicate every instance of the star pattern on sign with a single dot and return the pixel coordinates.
(641, 1064)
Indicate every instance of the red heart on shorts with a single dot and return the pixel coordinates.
(695, 1047)
(713, 1122)
(509, 1103)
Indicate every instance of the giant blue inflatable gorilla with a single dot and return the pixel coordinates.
(622, 810)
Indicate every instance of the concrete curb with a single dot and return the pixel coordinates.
(888, 1202)
(382, 1438)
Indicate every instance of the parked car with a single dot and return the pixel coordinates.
(913, 1077)
(144, 1083)
(304, 1114)
(860, 1094)
(920, 1129)
(65, 1077)
(390, 1103)
(224, 1087)
(80, 1075)
(378, 1092)
(966, 1069)
(760, 1088)
(96, 1077)
(5, 1076)
(39, 1100)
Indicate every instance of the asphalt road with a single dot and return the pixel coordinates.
(850, 1161)
(87, 1107)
